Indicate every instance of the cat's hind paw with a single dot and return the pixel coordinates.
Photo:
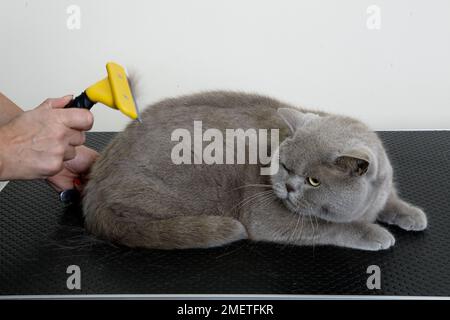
(409, 218)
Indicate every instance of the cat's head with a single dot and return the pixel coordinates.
(325, 168)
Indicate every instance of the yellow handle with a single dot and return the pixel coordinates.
(101, 92)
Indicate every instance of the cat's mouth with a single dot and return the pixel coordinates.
(293, 206)
(292, 203)
(279, 192)
(283, 195)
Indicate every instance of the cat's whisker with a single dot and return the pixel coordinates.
(317, 223)
(313, 229)
(295, 229)
(250, 199)
(296, 226)
(301, 228)
(253, 196)
(251, 185)
(260, 196)
(316, 229)
(268, 199)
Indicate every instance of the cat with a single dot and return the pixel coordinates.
(333, 184)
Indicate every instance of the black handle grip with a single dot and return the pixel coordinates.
(70, 196)
(82, 101)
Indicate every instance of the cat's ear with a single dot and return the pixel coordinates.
(354, 162)
(296, 119)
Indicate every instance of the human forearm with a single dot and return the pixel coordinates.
(8, 110)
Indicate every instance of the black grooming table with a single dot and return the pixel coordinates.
(40, 238)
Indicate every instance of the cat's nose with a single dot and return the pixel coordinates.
(289, 187)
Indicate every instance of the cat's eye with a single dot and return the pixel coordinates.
(313, 182)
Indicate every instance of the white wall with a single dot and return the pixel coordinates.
(313, 53)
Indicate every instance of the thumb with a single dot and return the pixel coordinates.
(52, 103)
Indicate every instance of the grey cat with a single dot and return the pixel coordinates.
(334, 182)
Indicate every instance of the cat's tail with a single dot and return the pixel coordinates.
(178, 232)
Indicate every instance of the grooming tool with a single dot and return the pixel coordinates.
(113, 91)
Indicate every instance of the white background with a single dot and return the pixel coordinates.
(317, 54)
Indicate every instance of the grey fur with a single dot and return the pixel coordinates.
(136, 195)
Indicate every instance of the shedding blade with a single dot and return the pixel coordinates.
(123, 98)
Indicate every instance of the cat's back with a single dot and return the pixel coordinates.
(151, 140)
(218, 109)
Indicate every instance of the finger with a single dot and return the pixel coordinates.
(55, 185)
(70, 153)
(76, 138)
(78, 119)
(52, 103)
(84, 160)
(61, 102)
(63, 180)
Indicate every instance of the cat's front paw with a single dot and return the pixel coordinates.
(409, 218)
(374, 237)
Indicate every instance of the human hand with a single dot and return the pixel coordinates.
(35, 144)
(75, 169)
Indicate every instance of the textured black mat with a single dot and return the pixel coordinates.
(40, 238)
